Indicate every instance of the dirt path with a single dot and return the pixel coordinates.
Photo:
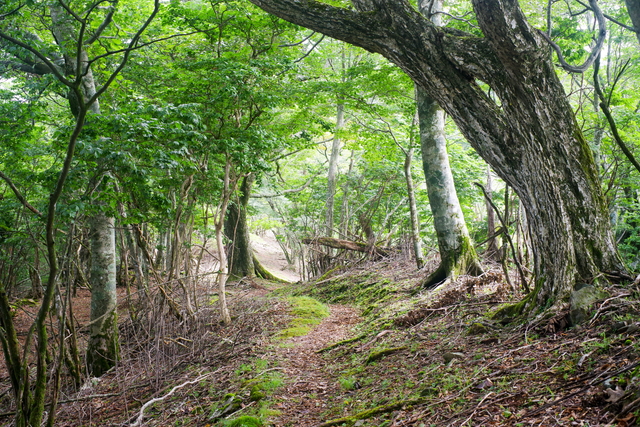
(310, 382)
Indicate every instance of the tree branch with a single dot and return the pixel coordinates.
(604, 105)
(19, 195)
(105, 23)
(602, 33)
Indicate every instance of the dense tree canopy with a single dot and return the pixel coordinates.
(173, 129)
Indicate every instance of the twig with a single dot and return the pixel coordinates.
(138, 421)
(525, 285)
(588, 386)
(476, 408)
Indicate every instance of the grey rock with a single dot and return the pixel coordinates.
(582, 302)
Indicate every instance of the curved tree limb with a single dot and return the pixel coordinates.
(602, 33)
(19, 195)
(604, 105)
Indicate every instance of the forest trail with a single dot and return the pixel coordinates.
(310, 383)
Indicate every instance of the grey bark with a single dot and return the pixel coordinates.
(102, 349)
(530, 139)
(457, 255)
(332, 175)
(633, 8)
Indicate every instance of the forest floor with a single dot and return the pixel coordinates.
(360, 347)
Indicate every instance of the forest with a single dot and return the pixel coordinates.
(319, 213)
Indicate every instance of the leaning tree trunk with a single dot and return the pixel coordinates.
(633, 8)
(530, 138)
(102, 349)
(237, 230)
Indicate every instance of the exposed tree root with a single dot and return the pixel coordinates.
(263, 273)
(382, 409)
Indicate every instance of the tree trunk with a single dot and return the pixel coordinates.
(457, 255)
(530, 137)
(633, 8)
(102, 349)
(237, 230)
(492, 247)
(332, 176)
(413, 209)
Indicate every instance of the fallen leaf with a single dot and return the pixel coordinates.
(614, 394)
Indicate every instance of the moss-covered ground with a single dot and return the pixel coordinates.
(428, 358)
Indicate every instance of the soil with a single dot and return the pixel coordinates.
(312, 384)
(532, 373)
(269, 252)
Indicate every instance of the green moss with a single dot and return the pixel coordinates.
(308, 312)
(477, 329)
(244, 421)
(376, 355)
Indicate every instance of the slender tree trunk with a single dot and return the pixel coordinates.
(492, 247)
(102, 349)
(457, 255)
(221, 211)
(236, 228)
(332, 176)
(413, 209)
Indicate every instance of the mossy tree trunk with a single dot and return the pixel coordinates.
(457, 254)
(102, 349)
(237, 230)
(530, 138)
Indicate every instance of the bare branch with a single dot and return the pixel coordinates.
(105, 23)
(602, 32)
(604, 105)
(300, 42)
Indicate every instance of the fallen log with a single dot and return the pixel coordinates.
(349, 245)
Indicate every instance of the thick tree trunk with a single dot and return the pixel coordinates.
(633, 8)
(102, 349)
(530, 137)
(237, 230)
